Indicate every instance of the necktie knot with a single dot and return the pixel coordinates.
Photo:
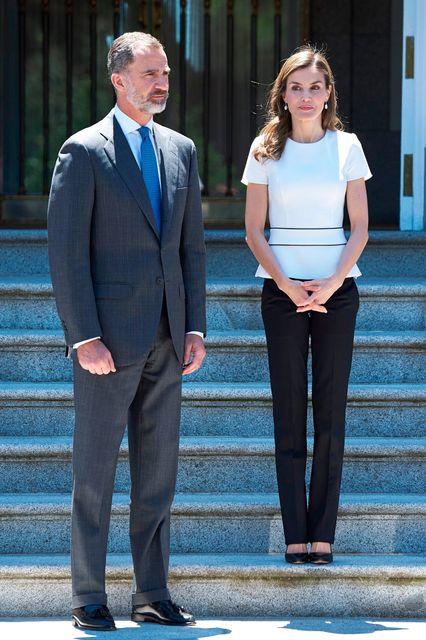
(144, 131)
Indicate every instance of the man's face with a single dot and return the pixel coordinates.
(146, 81)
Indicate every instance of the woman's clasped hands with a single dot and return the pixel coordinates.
(319, 291)
(311, 295)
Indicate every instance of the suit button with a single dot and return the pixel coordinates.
(159, 281)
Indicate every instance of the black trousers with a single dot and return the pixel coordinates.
(331, 335)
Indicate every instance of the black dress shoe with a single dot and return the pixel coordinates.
(297, 558)
(318, 557)
(162, 612)
(93, 616)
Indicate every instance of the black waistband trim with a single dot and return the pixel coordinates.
(339, 244)
(305, 228)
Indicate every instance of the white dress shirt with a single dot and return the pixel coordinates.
(130, 129)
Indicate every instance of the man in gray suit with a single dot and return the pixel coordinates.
(127, 261)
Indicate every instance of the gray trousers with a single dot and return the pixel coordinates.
(146, 396)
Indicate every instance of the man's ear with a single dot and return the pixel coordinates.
(117, 82)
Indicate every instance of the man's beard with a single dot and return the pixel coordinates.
(146, 106)
(153, 107)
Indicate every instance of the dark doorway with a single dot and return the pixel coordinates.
(364, 45)
(224, 55)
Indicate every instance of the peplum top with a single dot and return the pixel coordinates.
(306, 196)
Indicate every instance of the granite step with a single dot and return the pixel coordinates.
(228, 585)
(379, 357)
(388, 253)
(220, 409)
(23, 252)
(237, 465)
(234, 356)
(388, 305)
(220, 523)
(400, 304)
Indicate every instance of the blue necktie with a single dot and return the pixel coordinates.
(150, 174)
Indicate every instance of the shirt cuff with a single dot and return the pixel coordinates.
(78, 344)
(196, 333)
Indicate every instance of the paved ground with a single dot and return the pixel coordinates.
(242, 629)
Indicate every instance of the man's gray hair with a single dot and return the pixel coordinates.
(122, 51)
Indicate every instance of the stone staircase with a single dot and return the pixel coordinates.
(227, 541)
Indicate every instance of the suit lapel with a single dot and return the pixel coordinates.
(121, 156)
(169, 163)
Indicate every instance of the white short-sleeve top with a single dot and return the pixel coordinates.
(306, 195)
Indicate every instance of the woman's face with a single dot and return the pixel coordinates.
(306, 94)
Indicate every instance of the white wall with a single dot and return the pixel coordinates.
(413, 125)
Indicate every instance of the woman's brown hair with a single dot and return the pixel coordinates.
(278, 128)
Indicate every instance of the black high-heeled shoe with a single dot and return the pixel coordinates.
(297, 558)
(321, 557)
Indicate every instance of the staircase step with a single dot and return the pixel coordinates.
(388, 253)
(33, 356)
(28, 303)
(23, 251)
(218, 585)
(220, 523)
(220, 409)
(387, 305)
(379, 356)
(237, 356)
(237, 465)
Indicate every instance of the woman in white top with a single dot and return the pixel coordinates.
(299, 172)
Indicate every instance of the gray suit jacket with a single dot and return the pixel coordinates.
(109, 267)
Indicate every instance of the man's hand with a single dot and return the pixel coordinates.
(194, 353)
(96, 358)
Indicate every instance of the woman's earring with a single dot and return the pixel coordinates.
(285, 106)
(325, 105)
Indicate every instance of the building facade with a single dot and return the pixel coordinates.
(224, 54)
